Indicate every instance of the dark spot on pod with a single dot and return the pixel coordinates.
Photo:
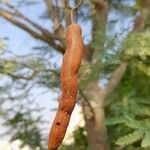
(57, 123)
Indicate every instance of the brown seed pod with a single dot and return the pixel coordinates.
(69, 81)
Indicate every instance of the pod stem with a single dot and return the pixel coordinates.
(72, 16)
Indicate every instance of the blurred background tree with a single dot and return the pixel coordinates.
(114, 76)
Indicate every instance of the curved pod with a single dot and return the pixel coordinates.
(69, 82)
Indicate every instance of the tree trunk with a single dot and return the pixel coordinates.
(93, 104)
(96, 131)
(94, 114)
(92, 99)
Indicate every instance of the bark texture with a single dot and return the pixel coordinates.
(94, 113)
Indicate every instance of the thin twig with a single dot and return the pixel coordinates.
(74, 8)
(72, 17)
(12, 7)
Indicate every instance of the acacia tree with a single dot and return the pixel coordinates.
(92, 96)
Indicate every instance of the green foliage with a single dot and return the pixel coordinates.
(138, 51)
(130, 138)
(146, 139)
(80, 139)
(141, 130)
(24, 126)
(114, 120)
(137, 5)
(2, 45)
(7, 67)
(128, 107)
(80, 142)
(132, 118)
(140, 45)
(89, 72)
(16, 112)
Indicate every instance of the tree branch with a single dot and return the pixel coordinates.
(8, 16)
(46, 36)
(30, 77)
(52, 12)
(119, 72)
(115, 79)
(66, 9)
(40, 28)
(88, 110)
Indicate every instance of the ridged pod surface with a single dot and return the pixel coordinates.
(69, 82)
